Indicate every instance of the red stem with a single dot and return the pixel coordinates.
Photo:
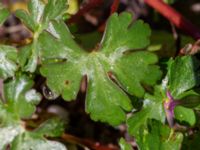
(85, 142)
(114, 6)
(175, 17)
(113, 9)
(91, 4)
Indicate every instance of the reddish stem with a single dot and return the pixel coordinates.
(114, 6)
(175, 17)
(91, 4)
(113, 9)
(85, 142)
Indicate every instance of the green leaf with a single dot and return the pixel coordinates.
(61, 7)
(120, 35)
(38, 18)
(152, 109)
(158, 137)
(20, 96)
(40, 14)
(53, 127)
(185, 115)
(183, 75)
(64, 64)
(124, 145)
(27, 141)
(4, 13)
(7, 134)
(8, 61)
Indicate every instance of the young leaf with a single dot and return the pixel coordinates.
(8, 61)
(65, 63)
(124, 145)
(37, 19)
(183, 76)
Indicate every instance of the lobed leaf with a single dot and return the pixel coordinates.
(37, 19)
(64, 64)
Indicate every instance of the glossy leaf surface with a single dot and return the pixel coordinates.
(65, 64)
(158, 137)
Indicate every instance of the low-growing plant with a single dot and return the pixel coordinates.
(119, 70)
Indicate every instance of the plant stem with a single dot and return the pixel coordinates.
(91, 4)
(175, 17)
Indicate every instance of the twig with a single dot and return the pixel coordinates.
(175, 17)
(84, 142)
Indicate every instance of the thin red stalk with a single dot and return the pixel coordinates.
(114, 6)
(113, 9)
(85, 142)
(175, 17)
(91, 4)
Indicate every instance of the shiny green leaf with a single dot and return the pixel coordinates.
(37, 19)
(64, 64)
(158, 137)
(185, 115)
(18, 93)
(152, 109)
(8, 61)
(183, 75)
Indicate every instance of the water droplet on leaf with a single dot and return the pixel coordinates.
(48, 94)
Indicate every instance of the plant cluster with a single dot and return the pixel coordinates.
(125, 82)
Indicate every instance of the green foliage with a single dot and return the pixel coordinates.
(158, 137)
(179, 80)
(8, 59)
(64, 65)
(19, 103)
(37, 19)
(116, 70)
(4, 13)
(152, 109)
(183, 75)
(124, 145)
